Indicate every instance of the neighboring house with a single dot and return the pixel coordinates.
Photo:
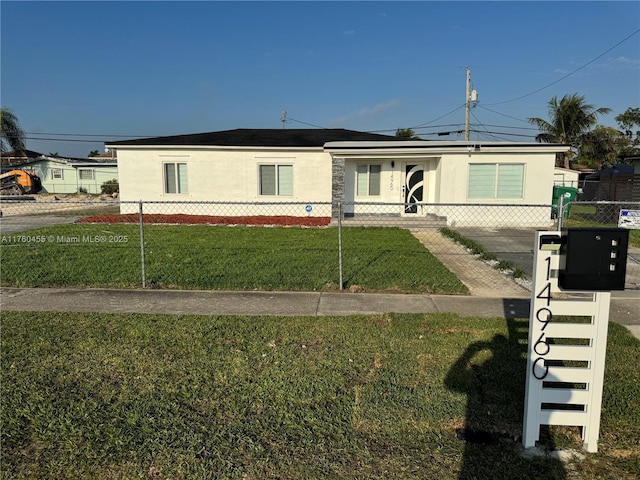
(12, 157)
(72, 175)
(566, 177)
(355, 169)
(619, 183)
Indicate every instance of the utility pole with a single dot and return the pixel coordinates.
(283, 118)
(467, 104)
(471, 96)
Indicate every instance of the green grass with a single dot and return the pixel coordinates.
(233, 258)
(120, 396)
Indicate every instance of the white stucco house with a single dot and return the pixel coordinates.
(365, 173)
(72, 175)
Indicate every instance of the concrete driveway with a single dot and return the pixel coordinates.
(511, 244)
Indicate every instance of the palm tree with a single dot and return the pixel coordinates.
(569, 119)
(11, 135)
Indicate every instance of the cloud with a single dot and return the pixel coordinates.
(349, 32)
(607, 65)
(364, 113)
(620, 63)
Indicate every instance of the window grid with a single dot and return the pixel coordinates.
(368, 179)
(276, 180)
(85, 174)
(175, 178)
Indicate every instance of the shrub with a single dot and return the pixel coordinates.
(110, 187)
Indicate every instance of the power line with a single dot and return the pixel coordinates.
(435, 120)
(480, 123)
(305, 123)
(83, 135)
(570, 73)
(503, 133)
(63, 140)
(504, 115)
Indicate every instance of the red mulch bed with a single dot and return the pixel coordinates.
(181, 219)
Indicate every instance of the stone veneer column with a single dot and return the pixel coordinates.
(337, 186)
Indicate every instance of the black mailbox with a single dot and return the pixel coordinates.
(593, 259)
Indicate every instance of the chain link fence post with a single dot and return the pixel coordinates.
(561, 207)
(142, 261)
(340, 243)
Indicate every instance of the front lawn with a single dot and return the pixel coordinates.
(223, 258)
(434, 396)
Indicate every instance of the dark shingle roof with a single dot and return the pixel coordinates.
(21, 154)
(245, 137)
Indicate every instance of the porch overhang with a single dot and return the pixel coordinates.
(422, 148)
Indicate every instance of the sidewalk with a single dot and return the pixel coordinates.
(625, 305)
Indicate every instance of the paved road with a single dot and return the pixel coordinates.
(16, 224)
(25, 213)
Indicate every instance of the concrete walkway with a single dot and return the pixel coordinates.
(625, 306)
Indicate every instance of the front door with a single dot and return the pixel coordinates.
(413, 188)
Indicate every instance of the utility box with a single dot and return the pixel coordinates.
(593, 259)
(568, 194)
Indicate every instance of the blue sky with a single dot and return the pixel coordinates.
(95, 71)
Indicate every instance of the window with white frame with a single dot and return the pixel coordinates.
(56, 174)
(175, 178)
(276, 180)
(368, 180)
(85, 174)
(496, 180)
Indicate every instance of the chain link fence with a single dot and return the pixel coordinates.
(427, 248)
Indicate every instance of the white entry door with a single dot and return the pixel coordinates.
(413, 188)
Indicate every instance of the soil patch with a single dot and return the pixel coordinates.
(183, 219)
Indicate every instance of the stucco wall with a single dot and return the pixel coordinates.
(538, 190)
(232, 175)
(446, 181)
(391, 182)
(538, 176)
(222, 176)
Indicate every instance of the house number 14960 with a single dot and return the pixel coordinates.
(541, 348)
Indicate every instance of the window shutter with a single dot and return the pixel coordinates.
(482, 181)
(267, 179)
(169, 178)
(510, 181)
(285, 179)
(361, 180)
(182, 178)
(374, 179)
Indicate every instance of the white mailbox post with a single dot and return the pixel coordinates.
(566, 356)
